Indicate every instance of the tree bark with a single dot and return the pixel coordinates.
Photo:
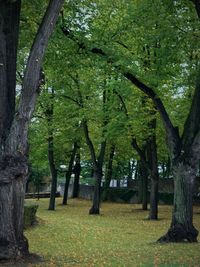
(14, 128)
(53, 172)
(9, 32)
(69, 173)
(77, 171)
(182, 228)
(143, 185)
(154, 175)
(108, 174)
(97, 167)
(95, 209)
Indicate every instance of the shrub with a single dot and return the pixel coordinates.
(30, 214)
(121, 195)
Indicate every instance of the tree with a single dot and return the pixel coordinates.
(184, 145)
(14, 125)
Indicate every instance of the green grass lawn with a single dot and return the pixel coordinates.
(120, 236)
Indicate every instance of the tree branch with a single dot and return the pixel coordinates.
(172, 132)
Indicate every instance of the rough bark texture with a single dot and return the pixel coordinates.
(182, 228)
(9, 31)
(77, 171)
(14, 128)
(69, 173)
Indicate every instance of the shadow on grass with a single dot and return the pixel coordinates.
(23, 262)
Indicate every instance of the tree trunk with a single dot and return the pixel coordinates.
(108, 174)
(53, 172)
(97, 167)
(95, 209)
(143, 185)
(152, 158)
(14, 128)
(182, 228)
(77, 171)
(13, 174)
(13, 166)
(69, 173)
(9, 32)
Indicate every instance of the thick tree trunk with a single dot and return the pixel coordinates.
(13, 165)
(13, 131)
(77, 171)
(95, 209)
(13, 174)
(9, 31)
(69, 173)
(182, 228)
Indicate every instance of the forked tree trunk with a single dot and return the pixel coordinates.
(97, 167)
(13, 139)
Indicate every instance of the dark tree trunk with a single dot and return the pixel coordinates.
(9, 31)
(143, 173)
(108, 173)
(182, 228)
(143, 185)
(97, 167)
(95, 209)
(69, 173)
(77, 171)
(152, 159)
(53, 172)
(14, 128)
(13, 166)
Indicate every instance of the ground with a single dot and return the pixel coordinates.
(120, 236)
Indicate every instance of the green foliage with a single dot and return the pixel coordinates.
(29, 214)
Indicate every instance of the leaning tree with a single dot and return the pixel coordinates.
(14, 120)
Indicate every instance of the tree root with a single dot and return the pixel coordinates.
(94, 211)
(179, 233)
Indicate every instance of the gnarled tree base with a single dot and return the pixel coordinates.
(13, 251)
(179, 233)
(94, 211)
(24, 261)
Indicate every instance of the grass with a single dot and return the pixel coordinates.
(120, 236)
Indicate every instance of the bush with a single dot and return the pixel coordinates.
(121, 195)
(30, 214)
(166, 198)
